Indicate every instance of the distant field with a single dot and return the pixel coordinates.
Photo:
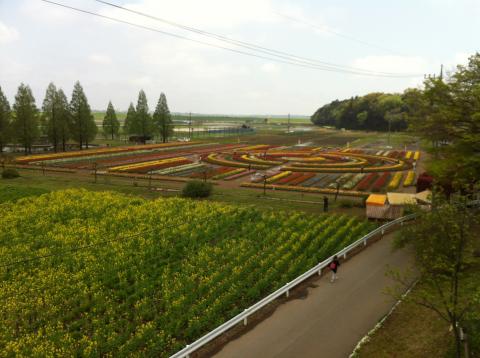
(213, 118)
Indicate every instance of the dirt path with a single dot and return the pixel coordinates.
(333, 317)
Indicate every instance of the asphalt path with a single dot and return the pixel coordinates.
(333, 317)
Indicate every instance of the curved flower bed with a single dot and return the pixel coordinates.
(213, 159)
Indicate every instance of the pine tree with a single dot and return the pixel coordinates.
(63, 118)
(50, 115)
(142, 124)
(25, 120)
(129, 120)
(162, 120)
(111, 125)
(5, 121)
(84, 128)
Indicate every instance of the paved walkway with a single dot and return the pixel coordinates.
(333, 317)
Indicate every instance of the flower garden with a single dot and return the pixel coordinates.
(103, 274)
(351, 171)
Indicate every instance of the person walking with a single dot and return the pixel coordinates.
(334, 267)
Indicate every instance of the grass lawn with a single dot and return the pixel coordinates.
(34, 183)
(411, 331)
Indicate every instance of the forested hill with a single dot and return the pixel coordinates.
(370, 112)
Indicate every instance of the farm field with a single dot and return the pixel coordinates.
(120, 274)
(305, 168)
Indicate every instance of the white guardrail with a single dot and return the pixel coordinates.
(285, 290)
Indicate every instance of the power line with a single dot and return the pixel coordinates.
(336, 33)
(248, 45)
(295, 63)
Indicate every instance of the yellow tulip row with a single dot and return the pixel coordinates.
(278, 176)
(305, 189)
(146, 164)
(256, 160)
(410, 178)
(395, 182)
(40, 157)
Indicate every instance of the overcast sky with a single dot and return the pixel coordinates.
(40, 43)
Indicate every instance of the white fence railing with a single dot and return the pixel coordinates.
(285, 290)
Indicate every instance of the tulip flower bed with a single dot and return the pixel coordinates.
(287, 179)
(381, 182)
(96, 151)
(301, 179)
(305, 189)
(278, 176)
(145, 167)
(366, 182)
(410, 179)
(395, 182)
(131, 277)
(416, 156)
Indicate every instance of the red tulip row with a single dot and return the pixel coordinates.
(367, 181)
(381, 182)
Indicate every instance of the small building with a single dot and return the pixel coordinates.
(376, 206)
(389, 206)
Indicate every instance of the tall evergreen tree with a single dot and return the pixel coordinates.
(50, 116)
(162, 120)
(84, 128)
(25, 120)
(5, 121)
(142, 124)
(111, 125)
(63, 118)
(129, 120)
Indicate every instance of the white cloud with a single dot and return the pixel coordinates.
(100, 59)
(270, 67)
(7, 33)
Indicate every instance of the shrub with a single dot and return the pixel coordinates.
(10, 173)
(197, 189)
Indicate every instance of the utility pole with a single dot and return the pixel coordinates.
(288, 125)
(190, 129)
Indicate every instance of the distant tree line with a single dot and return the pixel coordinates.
(60, 120)
(374, 111)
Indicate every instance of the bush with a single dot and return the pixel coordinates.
(197, 189)
(10, 173)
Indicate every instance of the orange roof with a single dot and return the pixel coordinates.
(376, 199)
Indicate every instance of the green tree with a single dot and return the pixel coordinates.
(84, 128)
(443, 241)
(111, 125)
(128, 125)
(162, 120)
(447, 114)
(5, 121)
(50, 116)
(25, 120)
(142, 125)
(64, 124)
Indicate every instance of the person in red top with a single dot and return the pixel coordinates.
(334, 267)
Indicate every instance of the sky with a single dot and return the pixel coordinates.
(42, 43)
